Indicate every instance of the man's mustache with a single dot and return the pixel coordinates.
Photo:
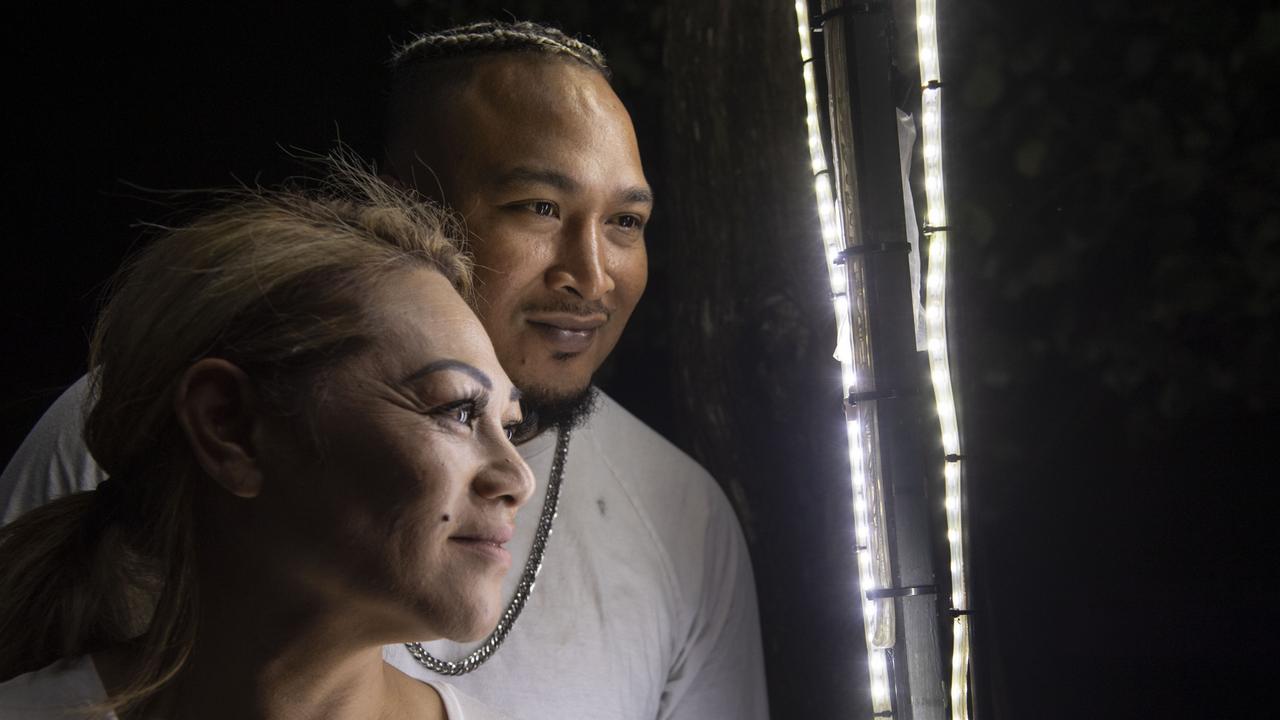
(584, 308)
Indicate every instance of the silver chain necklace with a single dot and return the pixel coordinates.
(527, 578)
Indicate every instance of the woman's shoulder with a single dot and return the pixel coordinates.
(49, 693)
(460, 706)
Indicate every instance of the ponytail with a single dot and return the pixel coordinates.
(97, 569)
(68, 584)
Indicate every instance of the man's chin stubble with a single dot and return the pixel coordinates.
(544, 409)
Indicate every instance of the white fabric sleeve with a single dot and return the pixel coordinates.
(57, 692)
(53, 460)
(721, 671)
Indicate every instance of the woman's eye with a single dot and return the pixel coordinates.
(462, 413)
(510, 430)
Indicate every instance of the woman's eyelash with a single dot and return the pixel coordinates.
(465, 411)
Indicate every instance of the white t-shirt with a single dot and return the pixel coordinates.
(61, 690)
(645, 608)
(56, 692)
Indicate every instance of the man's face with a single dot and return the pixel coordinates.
(540, 157)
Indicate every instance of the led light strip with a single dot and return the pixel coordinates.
(871, 542)
(935, 312)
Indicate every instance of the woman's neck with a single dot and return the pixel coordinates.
(285, 672)
(266, 650)
(290, 684)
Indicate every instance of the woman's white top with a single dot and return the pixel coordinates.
(61, 691)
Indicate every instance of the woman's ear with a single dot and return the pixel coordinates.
(219, 411)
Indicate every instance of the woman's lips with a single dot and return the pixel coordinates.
(485, 548)
(488, 543)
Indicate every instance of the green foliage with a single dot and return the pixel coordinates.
(1114, 185)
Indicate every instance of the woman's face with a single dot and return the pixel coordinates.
(406, 507)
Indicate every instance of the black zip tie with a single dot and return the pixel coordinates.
(905, 591)
(930, 229)
(932, 85)
(857, 397)
(954, 457)
(854, 251)
(817, 22)
(954, 613)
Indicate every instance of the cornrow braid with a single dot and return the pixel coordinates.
(492, 37)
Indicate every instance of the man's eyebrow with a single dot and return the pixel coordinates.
(637, 194)
(524, 175)
(449, 364)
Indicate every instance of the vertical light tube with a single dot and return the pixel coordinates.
(869, 526)
(936, 334)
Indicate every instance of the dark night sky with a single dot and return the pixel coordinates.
(1117, 260)
(162, 98)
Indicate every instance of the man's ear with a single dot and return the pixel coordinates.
(220, 414)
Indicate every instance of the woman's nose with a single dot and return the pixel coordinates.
(506, 477)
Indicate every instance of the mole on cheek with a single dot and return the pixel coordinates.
(444, 518)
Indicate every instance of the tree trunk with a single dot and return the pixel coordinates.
(757, 393)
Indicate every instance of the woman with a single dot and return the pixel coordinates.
(307, 437)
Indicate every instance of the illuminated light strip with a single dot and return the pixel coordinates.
(868, 507)
(936, 337)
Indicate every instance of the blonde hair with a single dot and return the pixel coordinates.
(272, 281)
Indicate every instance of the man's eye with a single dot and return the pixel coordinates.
(544, 208)
(630, 222)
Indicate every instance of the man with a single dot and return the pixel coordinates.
(645, 607)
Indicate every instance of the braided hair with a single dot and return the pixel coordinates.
(426, 72)
(491, 38)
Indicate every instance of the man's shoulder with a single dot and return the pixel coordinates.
(636, 451)
(667, 486)
(54, 691)
(53, 460)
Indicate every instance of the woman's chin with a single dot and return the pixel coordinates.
(480, 630)
(473, 621)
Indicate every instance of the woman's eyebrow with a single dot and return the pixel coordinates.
(450, 364)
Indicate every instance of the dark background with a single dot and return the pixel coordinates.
(1116, 258)
(1114, 167)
